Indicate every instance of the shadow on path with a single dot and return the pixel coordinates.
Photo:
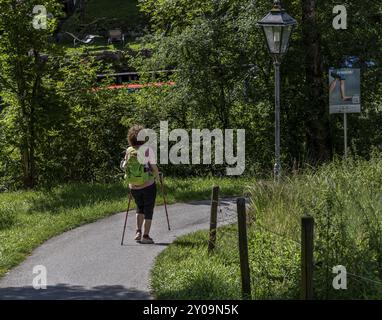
(68, 292)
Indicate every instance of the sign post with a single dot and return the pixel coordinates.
(345, 135)
(344, 95)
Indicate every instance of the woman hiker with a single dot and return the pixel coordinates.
(141, 178)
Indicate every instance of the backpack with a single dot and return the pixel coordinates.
(135, 172)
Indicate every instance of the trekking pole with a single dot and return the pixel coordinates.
(127, 212)
(164, 199)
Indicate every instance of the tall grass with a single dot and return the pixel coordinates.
(345, 199)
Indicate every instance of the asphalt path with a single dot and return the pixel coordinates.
(89, 262)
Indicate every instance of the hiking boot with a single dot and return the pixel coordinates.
(138, 235)
(147, 240)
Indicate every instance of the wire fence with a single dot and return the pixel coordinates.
(282, 236)
(227, 215)
(226, 242)
(227, 226)
(358, 278)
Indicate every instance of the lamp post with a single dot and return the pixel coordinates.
(277, 26)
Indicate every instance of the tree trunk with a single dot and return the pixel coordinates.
(28, 179)
(27, 149)
(82, 11)
(28, 127)
(317, 121)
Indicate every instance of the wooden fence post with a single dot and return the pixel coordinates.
(307, 229)
(213, 217)
(243, 249)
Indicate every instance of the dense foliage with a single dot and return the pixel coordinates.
(217, 48)
(55, 128)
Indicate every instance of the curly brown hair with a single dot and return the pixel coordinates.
(133, 134)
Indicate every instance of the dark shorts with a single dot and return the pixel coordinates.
(145, 200)
(337, 76)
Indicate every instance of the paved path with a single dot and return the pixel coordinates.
(89, 263)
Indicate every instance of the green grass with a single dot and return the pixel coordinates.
(345, 199)
(98, 46)
(100, 17)
(28, 218)
(185, 270)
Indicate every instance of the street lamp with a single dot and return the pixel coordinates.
(277, 26)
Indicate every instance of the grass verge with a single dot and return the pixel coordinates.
(185, 270)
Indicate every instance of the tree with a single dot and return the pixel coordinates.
(24, 52)
(190, 36)
(317, 124)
